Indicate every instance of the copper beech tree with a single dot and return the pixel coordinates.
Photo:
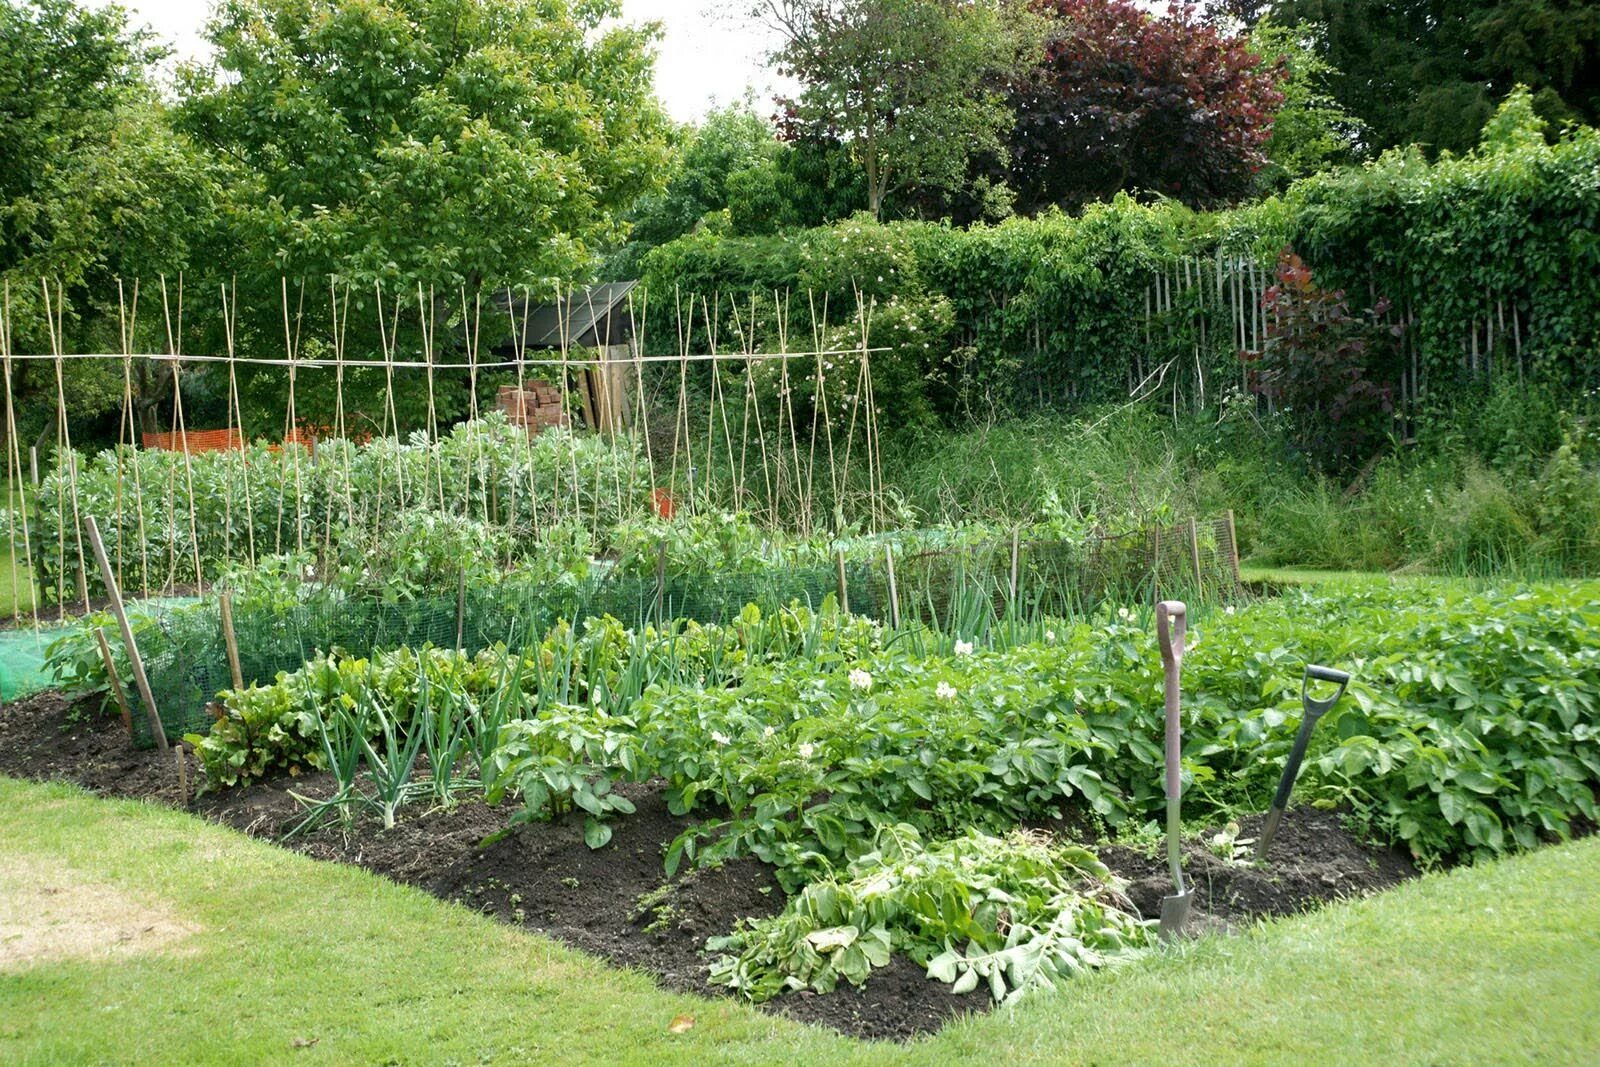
(1125, 99)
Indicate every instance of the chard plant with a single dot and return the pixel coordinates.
(1014, 914)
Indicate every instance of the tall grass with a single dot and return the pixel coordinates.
(1511, 488)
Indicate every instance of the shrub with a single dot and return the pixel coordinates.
(1331, 371)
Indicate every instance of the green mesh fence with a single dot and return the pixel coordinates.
(22, 666)
(185, 653)
(186, 657)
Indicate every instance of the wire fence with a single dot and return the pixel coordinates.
(960, 589)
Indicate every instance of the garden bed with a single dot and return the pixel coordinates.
(611, 902)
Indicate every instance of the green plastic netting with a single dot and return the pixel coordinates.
(22, 662)
(185, 654)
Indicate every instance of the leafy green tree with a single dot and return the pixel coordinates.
(734, 174)
(448, 142)
(1431, 71)
(729, 142)
(913, 88)
(95, 186)
(1312, 130)
(440, 147)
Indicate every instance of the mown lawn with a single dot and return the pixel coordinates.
(289, 960)
(16, 590)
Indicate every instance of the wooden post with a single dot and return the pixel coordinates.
(1233, 549)
(1016, 555)
(225, 605)
(661, 580)
(461, 608)
(894, 591)
(1194, 555)
(114, 680)
(844, 590)
(115, 593)
(33, 464)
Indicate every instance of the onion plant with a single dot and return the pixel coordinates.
(390, 770)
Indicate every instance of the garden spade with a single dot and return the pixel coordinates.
(1314, 710)
(1171, 625)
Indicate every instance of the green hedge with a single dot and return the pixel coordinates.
(1052, 311)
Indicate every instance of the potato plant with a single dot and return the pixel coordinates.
(1013, 913)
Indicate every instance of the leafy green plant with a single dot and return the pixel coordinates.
(1014, 913)
(568, 757)
(1330, 369)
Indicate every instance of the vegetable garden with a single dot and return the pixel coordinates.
(811, 748)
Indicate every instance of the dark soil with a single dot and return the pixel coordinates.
(614, 902)
(1313, 859)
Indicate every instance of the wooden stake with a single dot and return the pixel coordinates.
(115, 593)
(461, 608)
(1016, 556)
(1194, 555)
(844, 590)
(33, 464)
(661, 580)
(225, 606)
(1233, 549)
(114, 679)
(894, 591)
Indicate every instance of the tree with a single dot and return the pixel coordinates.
(95, 186)
(715, 156)
(443, 149)
(1430, 72)
(448, 142)
(1312, 131)
(913, 88)
(1127, 100)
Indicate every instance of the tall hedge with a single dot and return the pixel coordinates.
(1052, 311)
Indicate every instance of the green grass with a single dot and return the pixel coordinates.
(1313, 576)
(1489, 964)
(15, 595)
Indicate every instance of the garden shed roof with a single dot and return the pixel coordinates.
(590, 317)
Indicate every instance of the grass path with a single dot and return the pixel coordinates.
(269, 957)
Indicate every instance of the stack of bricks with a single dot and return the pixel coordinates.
(534, 407)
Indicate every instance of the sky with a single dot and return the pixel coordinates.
(708, 55)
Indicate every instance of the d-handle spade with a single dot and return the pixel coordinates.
(1172, 624)
(1314, 710)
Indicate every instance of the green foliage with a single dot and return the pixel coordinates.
(166, 516)
(1432, 74)
(536, 717)
(1052, 313)
(1456, 700)
(1530, 512)
(724, 153)
(1016, 913)
(454, 143)
(910, 87)
(568, 757)
(1312, 132)
(95, 187)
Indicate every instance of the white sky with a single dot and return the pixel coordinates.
(709, 54)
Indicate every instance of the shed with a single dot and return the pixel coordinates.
(599, 318)
(596, 317)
